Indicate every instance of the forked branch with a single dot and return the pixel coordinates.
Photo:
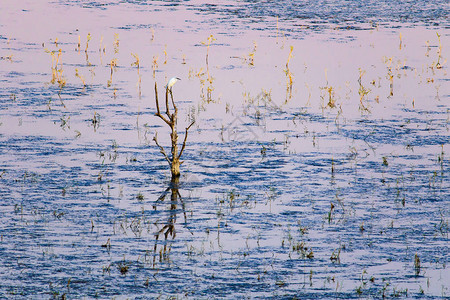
(158, 112)
(161, 149)
(167, 104)
(185, 138)
(173, 102)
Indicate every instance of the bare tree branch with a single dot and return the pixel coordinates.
(185, 138)
(155, 138)
(167, 103)
(173, 102)
(158, 112)
(156, 98)
(164, 119)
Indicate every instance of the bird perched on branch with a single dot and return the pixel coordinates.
(171, 82)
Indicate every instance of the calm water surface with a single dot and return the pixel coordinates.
(317, 167)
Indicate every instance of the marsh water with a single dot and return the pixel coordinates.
(317, 166)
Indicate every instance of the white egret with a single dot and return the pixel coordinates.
(171, 82)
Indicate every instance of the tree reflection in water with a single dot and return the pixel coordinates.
(168, 230)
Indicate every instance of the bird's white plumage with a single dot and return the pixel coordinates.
(171, 82)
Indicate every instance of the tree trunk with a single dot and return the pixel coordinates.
(175, 168)
(175, 165)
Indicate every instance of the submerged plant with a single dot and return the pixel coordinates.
(155, 65)
(165, 54)
(331, 96)
(289, 77)
(207, 43)
(113, 66)
(137, 64)
(363, 92)
(171, 120)
(210, 79)
(251, 55)
(77, 74)
(88, 39)
(390, 75)
(57, 72)
(416, 264)
(116, 43)
(439, 52)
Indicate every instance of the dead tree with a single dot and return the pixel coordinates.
(171, 120)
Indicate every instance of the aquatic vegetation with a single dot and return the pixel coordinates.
(165, 54)
(331, 93)
(209, 79)
(116, 43)
(79, 43)
(416, 264)
(136, 63)
(439, 53)
(113, 66)
(289, 76)
(155, 65)
(88, 39)
(95, 121)
(57, 71)
(81, 77)
(363, 92)
(251, 55)
(207, 43)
